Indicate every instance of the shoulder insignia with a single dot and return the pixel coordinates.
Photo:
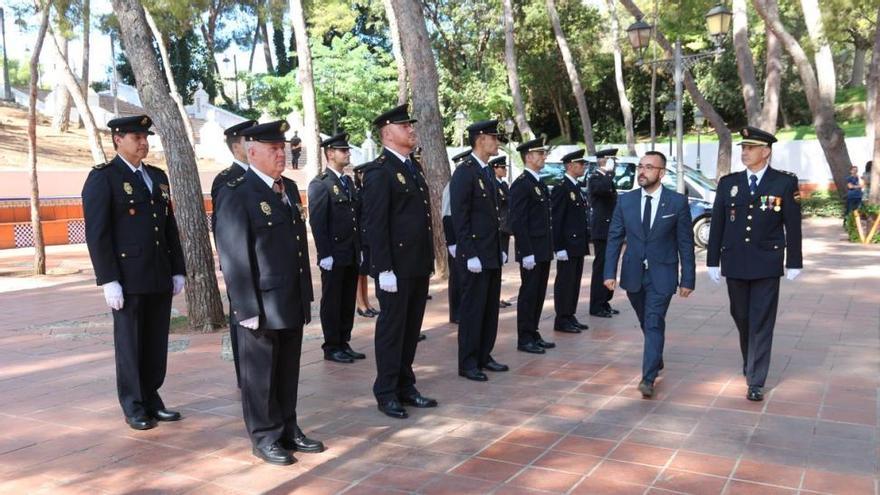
(227, 170)
(153, 167)
(786, 172)
(380, 159)
(236, 182)
(101, 165)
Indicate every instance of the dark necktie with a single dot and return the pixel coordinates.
(344, 180)
(646, 218)
(278, 187)
(753, 184)
(412, 169)
(489, 175)
(140, 175)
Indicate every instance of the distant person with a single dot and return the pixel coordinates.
(866, 178)
(854, 189)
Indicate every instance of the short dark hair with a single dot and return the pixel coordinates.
(113, 135)
(230, 140)
(657, 153)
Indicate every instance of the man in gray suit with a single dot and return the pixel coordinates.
(656, 224)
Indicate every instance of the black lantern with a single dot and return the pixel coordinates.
(639, 34)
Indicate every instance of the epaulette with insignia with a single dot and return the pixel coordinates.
(786, 172)
(153, 167)
(236, 182)
(226, 170)
(101, 165)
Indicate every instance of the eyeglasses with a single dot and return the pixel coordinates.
(649, 168)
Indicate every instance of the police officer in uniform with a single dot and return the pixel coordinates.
(499, 165)
(603, 199)
(571, 241)
(397, 217)
(476, 220)
(756, 226)
(135, 250)
(261, 237)
(454, 282)
(239, 166)
(533, 230)
(333, 217)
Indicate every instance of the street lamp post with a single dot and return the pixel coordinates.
(459, 123)
(7, 88)
(669, 118)
(699, 119)
(718, 24)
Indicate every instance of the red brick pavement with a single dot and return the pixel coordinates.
(567, 422)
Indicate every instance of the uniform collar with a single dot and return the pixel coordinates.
(400, 157)
(534, 174)
(241, 164)
(268, 180)
(572, 179)
(132, 167)
(482, 164)
(337, 174)
(759, 174)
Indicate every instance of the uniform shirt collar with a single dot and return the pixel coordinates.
(132, 167)
(482, 164)
(572, 179)
(759, 174)
(400, 157)
(268, 180)
(534, 174)
(241, 164)
(338, 174)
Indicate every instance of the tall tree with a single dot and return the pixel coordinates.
(745, 67)
(204, 308)
(825, 71)
(625, 106)
(209, 32)
(874, 112)
(267, 48)
(773, 77)
(86, 28)
(36, 223)
(820, 97)
(61, 118)
(402, 85)
(573, 76)
(310, 137)
(422, 71)
(519, 108)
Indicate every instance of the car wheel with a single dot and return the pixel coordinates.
(701, 231)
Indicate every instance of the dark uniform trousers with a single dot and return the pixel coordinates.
(567, 288)
(397, 336)
(454, 281)
(338, 293)
(600, 296)
(753, 305)
(530, 301)
(650, 306)
(481, 320)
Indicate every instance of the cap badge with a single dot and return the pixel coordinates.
(127, 188)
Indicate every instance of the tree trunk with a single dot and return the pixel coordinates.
(205, 310)
(402, 85)
(169, 77)
(573, 76)
(213, 68)
(84, 78)
(310, 139)
(36, 224)
(822, 50)
(267, 48)
(61, 119)
(874, 113)
(519, 108)
(745, 67)
(256, 40)
(625, 106)
(857, 79)
(82, 107)
(422, 71)
(830, 135)
(773, 75)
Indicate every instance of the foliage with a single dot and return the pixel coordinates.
(19, 72)
(851, 95)
(868, 214)
(822, 204)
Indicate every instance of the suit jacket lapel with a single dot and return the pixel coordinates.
(765, 182)
(662, 208)
(634, 212)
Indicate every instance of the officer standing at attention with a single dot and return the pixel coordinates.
(239, 166)
(756, 225)
(261, 237)
(571, 240)
(397, 217)
(499, 165)
(532, 228)
(454, 281)
(135, 249)
(333, 217)
(603, 199)
(477, 223)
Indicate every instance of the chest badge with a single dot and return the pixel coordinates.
(537, 190)
(335, 189)
(265, 208)
(482, 186)
(164, 189)
(127, 188)
(401, 178)
(778, 204)
(571, 194)
(733, 190)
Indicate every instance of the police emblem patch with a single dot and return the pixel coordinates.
(401, 178)
(537, 190)
(127, 188)
(733, 190)
(335, 189)
(265, 208)
(482, 186)
(571, 194)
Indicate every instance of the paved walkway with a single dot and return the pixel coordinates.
(567, 422)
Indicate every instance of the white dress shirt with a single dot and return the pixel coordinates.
(241, 164)
(759, 174)
(534, 174)
(655, 203)
(400, 157)
(270, 182)
(144, 173)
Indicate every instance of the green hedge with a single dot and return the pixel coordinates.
(869, 211)
(823, 204)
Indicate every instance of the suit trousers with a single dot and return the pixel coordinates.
(599, 294)
(567, 289)
(454, 288)
(397, 335)
(478, 326)
(651, 307)
(530, 301)
(338, 293)
(140, 339)
(269, 382)
(753, 306)
(233, 342)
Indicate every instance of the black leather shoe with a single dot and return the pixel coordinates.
(566, 328)
(493, 365)
(646, 388)
(612, 310)
(582, 326)
(661, 364)
(531, 347)
(140, 422)
(475, 375)
(755, 394)
(274, 454)
(419, 400)
(365, 313)
(429, 297)
(504, 304)
(166, 415)
(353, 353)
(546, 345)
(394, 409)
(601, 314)
(373, 311)
(301, 443)
(422, 337)
(339, 356)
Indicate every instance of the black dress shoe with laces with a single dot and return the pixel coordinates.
(353, 353)
(475, 375)
(393, 408)
(543, 343)
(418, 400)
(755, 394)
(582, 326)
(504, 304)
(338, 356)
(531, 347)
(493, 365)
(274, 454)
(166, 415)
(601, 314)
(301, 443)
(566, 328)
(140, 422)
(612, 310)
(422, 337)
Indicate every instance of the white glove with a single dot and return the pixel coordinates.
(251, 323)
(715, 274)
(562, 255)
(326, 264)
(177, 284)
(792, 273)
(474, 265)
(388, 281)
(452, 250)
(362, 258)
(529, 262)
(503, 257)
(113, 295)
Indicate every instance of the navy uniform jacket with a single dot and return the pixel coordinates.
(530, 218)
(397, 218)
(504, 210)
(131, 234)
(475, 216)
(264, 253)
(570, 222)
(225, 176)
(603, 198)
(333, 216)
(750, 235)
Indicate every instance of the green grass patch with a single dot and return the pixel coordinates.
(823, 204)
(851, 95)
(179, 324)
